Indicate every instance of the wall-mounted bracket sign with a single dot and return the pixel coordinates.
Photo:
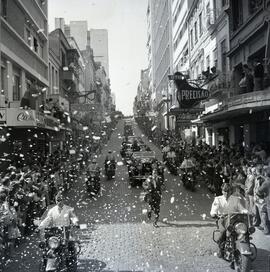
(187, 95)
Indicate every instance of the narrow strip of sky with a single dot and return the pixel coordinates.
(126, 24)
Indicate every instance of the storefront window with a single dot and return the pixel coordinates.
(16, 85)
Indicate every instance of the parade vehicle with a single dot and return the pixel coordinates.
(140, 166)
(128, 129)
(59, 250)
(93, 182)
(237, 248)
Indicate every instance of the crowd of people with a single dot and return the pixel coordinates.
(239, 166)
(29, 184)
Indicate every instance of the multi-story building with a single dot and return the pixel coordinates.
(24, 75)
(78, 30)
(242, 115)
(208, 31)
(99, 44)
(180, 9)
(161, 47)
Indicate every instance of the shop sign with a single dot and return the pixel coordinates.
(185, 117)
(3, 115)
(20, 118)
(188, 95)
(30, 118)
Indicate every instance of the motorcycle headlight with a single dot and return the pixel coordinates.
(241, 228)
(53, 242)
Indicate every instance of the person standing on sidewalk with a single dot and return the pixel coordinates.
(264, 192)
(153, 195)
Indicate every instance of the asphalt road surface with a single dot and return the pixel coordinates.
(119, 236)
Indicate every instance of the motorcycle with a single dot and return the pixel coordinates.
(59, 251)
(110, 169)
(170, 162)
(93, 182)
(237, 247)
(189, 180)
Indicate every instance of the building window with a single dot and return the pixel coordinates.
(207, 62)
(3, 76)
(36, 45)
(215, 58)
(191, 38)
(16, 85)
(254, 5)
(4, 9)
(237, 14)
(223, 56)
(53, 80)
(63, 59)
(56, 83)
(200, 24)
(28, 37)
(196, 32)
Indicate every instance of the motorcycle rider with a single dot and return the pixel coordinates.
(223, 205)
(165, 150)
(109, 159)
(60, 215)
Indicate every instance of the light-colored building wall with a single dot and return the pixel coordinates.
(78, 30)
(161, 45)
(24, 50)
(99, 44)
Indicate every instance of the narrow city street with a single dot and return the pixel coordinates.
(119, 236)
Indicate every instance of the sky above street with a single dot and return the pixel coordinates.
(127, 27)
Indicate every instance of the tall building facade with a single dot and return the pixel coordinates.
(24, 77)
(99, 44)
(78, 30)
(241, 115)
(162, 54)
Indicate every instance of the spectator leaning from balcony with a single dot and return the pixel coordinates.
(249, 78)
(258, 75)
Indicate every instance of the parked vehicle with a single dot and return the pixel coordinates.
(59, 250)
(93, 182)
(237, 247)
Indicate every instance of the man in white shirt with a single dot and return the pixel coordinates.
(223, 205)
(60, 215)
(165, 150)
